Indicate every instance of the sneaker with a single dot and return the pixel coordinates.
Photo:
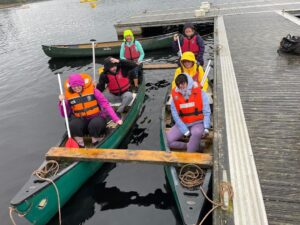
(96, 143)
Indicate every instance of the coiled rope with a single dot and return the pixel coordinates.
(191, 176)
(50, 169)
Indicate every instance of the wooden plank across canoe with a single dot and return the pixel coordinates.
(125, 155)
(159, 66)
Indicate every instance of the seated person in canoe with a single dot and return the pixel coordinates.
(191, 113)
(87, 108)
(189, 66)
(131, 49)
(190, 41)
(115, 78)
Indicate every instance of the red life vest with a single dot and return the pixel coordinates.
(117, 83)
(190, 45)
(84, 103)
(195, 76)
(189, 110)
(131, 53)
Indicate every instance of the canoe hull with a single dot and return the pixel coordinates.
(103, 49)
(70, 179)
(190, 203)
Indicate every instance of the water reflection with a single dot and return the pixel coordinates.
(95, 195)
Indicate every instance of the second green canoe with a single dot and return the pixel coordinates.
(105, 48)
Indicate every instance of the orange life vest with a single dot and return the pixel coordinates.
(189, 110)
(131, 53)
(190, 45)
(117, 83)
(85, 103)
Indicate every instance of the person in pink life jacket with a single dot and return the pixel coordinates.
(87, 108)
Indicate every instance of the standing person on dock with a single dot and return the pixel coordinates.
(190, 41)
(87, 108)
(191, 113)
(189, 66)
(131, 49)
(115, 78)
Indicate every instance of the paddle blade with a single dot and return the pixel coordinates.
(71, 143)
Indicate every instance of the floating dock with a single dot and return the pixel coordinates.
(256, 106)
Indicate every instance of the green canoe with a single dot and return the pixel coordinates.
(37, 200)
(190, 202)
(105, 48)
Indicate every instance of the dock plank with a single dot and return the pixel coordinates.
(125, 155)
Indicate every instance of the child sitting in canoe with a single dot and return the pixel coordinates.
(189, 66)
(131, 49)
(115, 79)
(190, 41)
(87, 108)
(191, 112)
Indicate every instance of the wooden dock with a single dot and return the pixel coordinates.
(129, 156)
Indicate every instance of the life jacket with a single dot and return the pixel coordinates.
(195, 76)
(190, 45)
(117, 83)
(131, 53)
(84, 103)
(189, 110)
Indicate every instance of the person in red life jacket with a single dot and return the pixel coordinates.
(190, 41)
(191, 112)
(87, 108)
(131, 49)
(115, 79)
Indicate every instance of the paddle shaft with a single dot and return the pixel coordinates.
(94, 60)
(206, 73)
(178, 41)
(64, 106)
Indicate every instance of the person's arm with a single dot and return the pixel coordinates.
(104, 104)
(61, 109)
(128, 64)
(141, 50)
(122, 51)
(201, 74)
(206, 110)
(201, 45)
(103, 80)
(175, 43)
(181, 126)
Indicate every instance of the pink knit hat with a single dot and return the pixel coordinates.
(76, 80)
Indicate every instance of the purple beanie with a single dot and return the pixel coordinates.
(76, 80)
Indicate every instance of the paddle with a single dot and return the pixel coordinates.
(94, 58)
(71, 143)
(206, 73)
(180, 52)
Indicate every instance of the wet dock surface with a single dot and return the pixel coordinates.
(269, 84)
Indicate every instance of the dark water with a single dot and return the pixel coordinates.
(30, 124)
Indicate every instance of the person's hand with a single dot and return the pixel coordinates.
(175, 37)
(114, 60)
(95, 83)
(187, 134)
(61, 97)
(120, 122)
(205, 133)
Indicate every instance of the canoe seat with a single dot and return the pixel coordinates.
(117, 104)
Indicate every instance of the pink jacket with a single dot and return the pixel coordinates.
(103, 103)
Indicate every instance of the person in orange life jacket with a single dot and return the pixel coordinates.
(115, 77)
(191, 113)
(190, 41)
(132, 49)
(87, 108)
